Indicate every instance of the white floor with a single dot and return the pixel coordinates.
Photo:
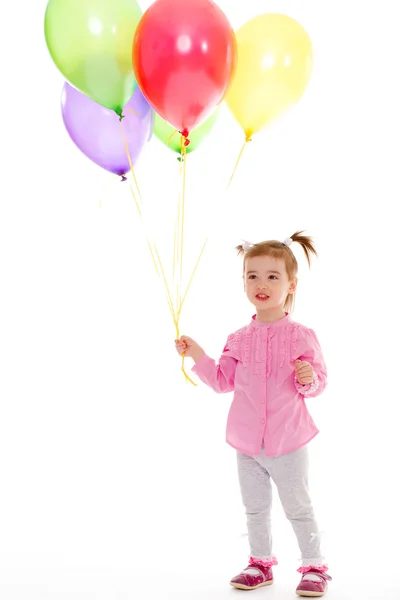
(176, 538)
(182, 582)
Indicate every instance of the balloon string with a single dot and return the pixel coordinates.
(192, 276)
(155, 255)
(175, 253)
(171, 136)
(133, 112)
(156, 258)
(182, 216)
(152, 245)
(177, 229)
(248, 139)
(179, 236)
(128, 154)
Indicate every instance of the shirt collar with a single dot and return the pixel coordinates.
(275, 324)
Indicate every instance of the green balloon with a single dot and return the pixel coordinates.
(164, 131)
(90, 42)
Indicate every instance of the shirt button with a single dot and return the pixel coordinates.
(263, 421)
(262, 400)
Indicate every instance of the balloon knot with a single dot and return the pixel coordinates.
(123, 178)
(184, 133)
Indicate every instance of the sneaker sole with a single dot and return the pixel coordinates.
(240, 586)
(310, 594)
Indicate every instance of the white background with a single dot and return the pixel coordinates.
(115, 479)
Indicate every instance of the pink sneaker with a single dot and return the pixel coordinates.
(313, 584)
(254, 576)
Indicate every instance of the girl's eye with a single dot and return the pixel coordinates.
(252, 276)
(273, 277)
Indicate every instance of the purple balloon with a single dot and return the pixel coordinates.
(97, 131)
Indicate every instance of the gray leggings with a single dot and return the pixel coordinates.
(290, 475)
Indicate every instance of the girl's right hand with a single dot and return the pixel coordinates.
(185, 345)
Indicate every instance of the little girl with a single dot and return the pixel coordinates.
(272, 364)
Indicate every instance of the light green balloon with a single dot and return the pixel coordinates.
(90, 42)
(163, 131)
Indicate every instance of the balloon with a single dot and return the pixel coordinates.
(184, 55)
(274, 67)
(97, 132)
(164, 131)
(90, 42)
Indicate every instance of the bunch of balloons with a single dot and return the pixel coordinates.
(169, 70)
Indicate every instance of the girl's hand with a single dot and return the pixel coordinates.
(304, 372)
(188, 347)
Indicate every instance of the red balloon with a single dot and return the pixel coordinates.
(184, 56)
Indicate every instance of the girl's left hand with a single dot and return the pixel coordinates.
(304, 372)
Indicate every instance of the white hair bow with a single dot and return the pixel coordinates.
(247, 245)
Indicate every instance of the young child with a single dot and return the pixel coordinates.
(272, 364)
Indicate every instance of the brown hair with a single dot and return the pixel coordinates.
(277, 249)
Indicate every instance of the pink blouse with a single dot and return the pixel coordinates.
(268, 408)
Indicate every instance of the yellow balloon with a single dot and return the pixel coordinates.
(274, 67)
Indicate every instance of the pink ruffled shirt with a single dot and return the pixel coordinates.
(268, 408)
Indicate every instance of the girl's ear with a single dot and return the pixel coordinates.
(293, 285)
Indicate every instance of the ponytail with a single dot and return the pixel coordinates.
(306, 243)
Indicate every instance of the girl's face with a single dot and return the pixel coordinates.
(267, 285)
